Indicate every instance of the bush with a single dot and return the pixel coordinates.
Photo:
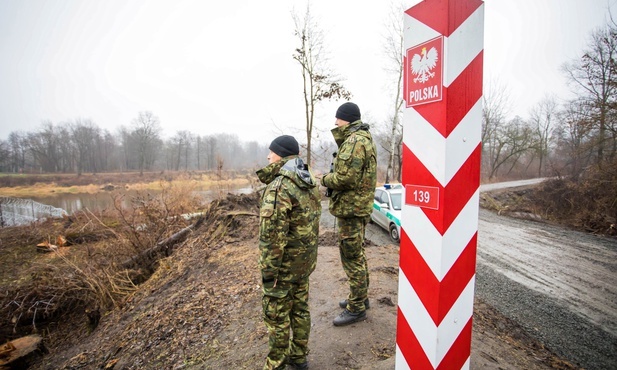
(588, 203)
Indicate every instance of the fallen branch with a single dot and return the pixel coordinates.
(241, 213)
(163, 244)
(21, 353)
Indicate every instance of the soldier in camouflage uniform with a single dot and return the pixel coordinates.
(288, 232)
(352, 184)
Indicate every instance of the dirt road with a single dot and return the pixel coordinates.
(560, 285)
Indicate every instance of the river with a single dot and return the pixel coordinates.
(72, 203)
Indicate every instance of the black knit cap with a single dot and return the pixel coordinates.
(348, 112)
(284, 146)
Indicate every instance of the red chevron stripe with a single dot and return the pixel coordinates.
(462, 94)
(460, 350)
(454, 196)
(416, 357)
(410, 347)
(437, 297)
(444, 16)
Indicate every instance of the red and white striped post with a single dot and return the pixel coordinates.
(441, 175)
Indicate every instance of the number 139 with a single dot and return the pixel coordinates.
(422, 196)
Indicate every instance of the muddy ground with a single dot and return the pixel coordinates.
(201, 310)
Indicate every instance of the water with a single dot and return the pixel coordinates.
(72, 203)
(14, 211)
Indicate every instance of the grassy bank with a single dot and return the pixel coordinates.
(37, 185)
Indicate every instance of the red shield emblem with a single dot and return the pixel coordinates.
(424, 73)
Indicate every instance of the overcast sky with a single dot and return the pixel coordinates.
(216, 66)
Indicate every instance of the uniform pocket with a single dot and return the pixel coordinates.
(344, 155)
(266, 226)
(275, 292)
(343, 161)
(270, 307)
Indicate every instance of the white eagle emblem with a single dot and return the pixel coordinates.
(421, 65)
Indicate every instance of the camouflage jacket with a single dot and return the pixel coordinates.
(289, 223)
(355, 172)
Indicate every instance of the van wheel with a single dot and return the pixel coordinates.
(394, 233)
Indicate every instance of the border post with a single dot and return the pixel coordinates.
(441, 174)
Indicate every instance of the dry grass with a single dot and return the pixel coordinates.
(43, 189)
(86, 274)
(22, 186)
(588, 203)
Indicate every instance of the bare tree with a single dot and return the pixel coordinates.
(84, 134)
(125, 139)
(496, 101)
(229, 150)
(44, 147)
(188, 139)
(108, 151)
(511, 142)
(394, 49)
(178, 150)
(319, 83)
(198, 148)
(17, 144)
(542, 118)
(146, 130)
(594, 76)
(573, 135)
(5, 156)
(255, 153)
(212, 146)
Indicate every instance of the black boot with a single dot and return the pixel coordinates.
(343, 304)
(302, 366)
(347, 317)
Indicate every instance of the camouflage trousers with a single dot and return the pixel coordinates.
(286, 313)
(351, 247)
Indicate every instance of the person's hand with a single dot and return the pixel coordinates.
(321, 178)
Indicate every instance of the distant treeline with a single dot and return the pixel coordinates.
(81, 146)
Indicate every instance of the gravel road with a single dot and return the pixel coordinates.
(559, 284)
